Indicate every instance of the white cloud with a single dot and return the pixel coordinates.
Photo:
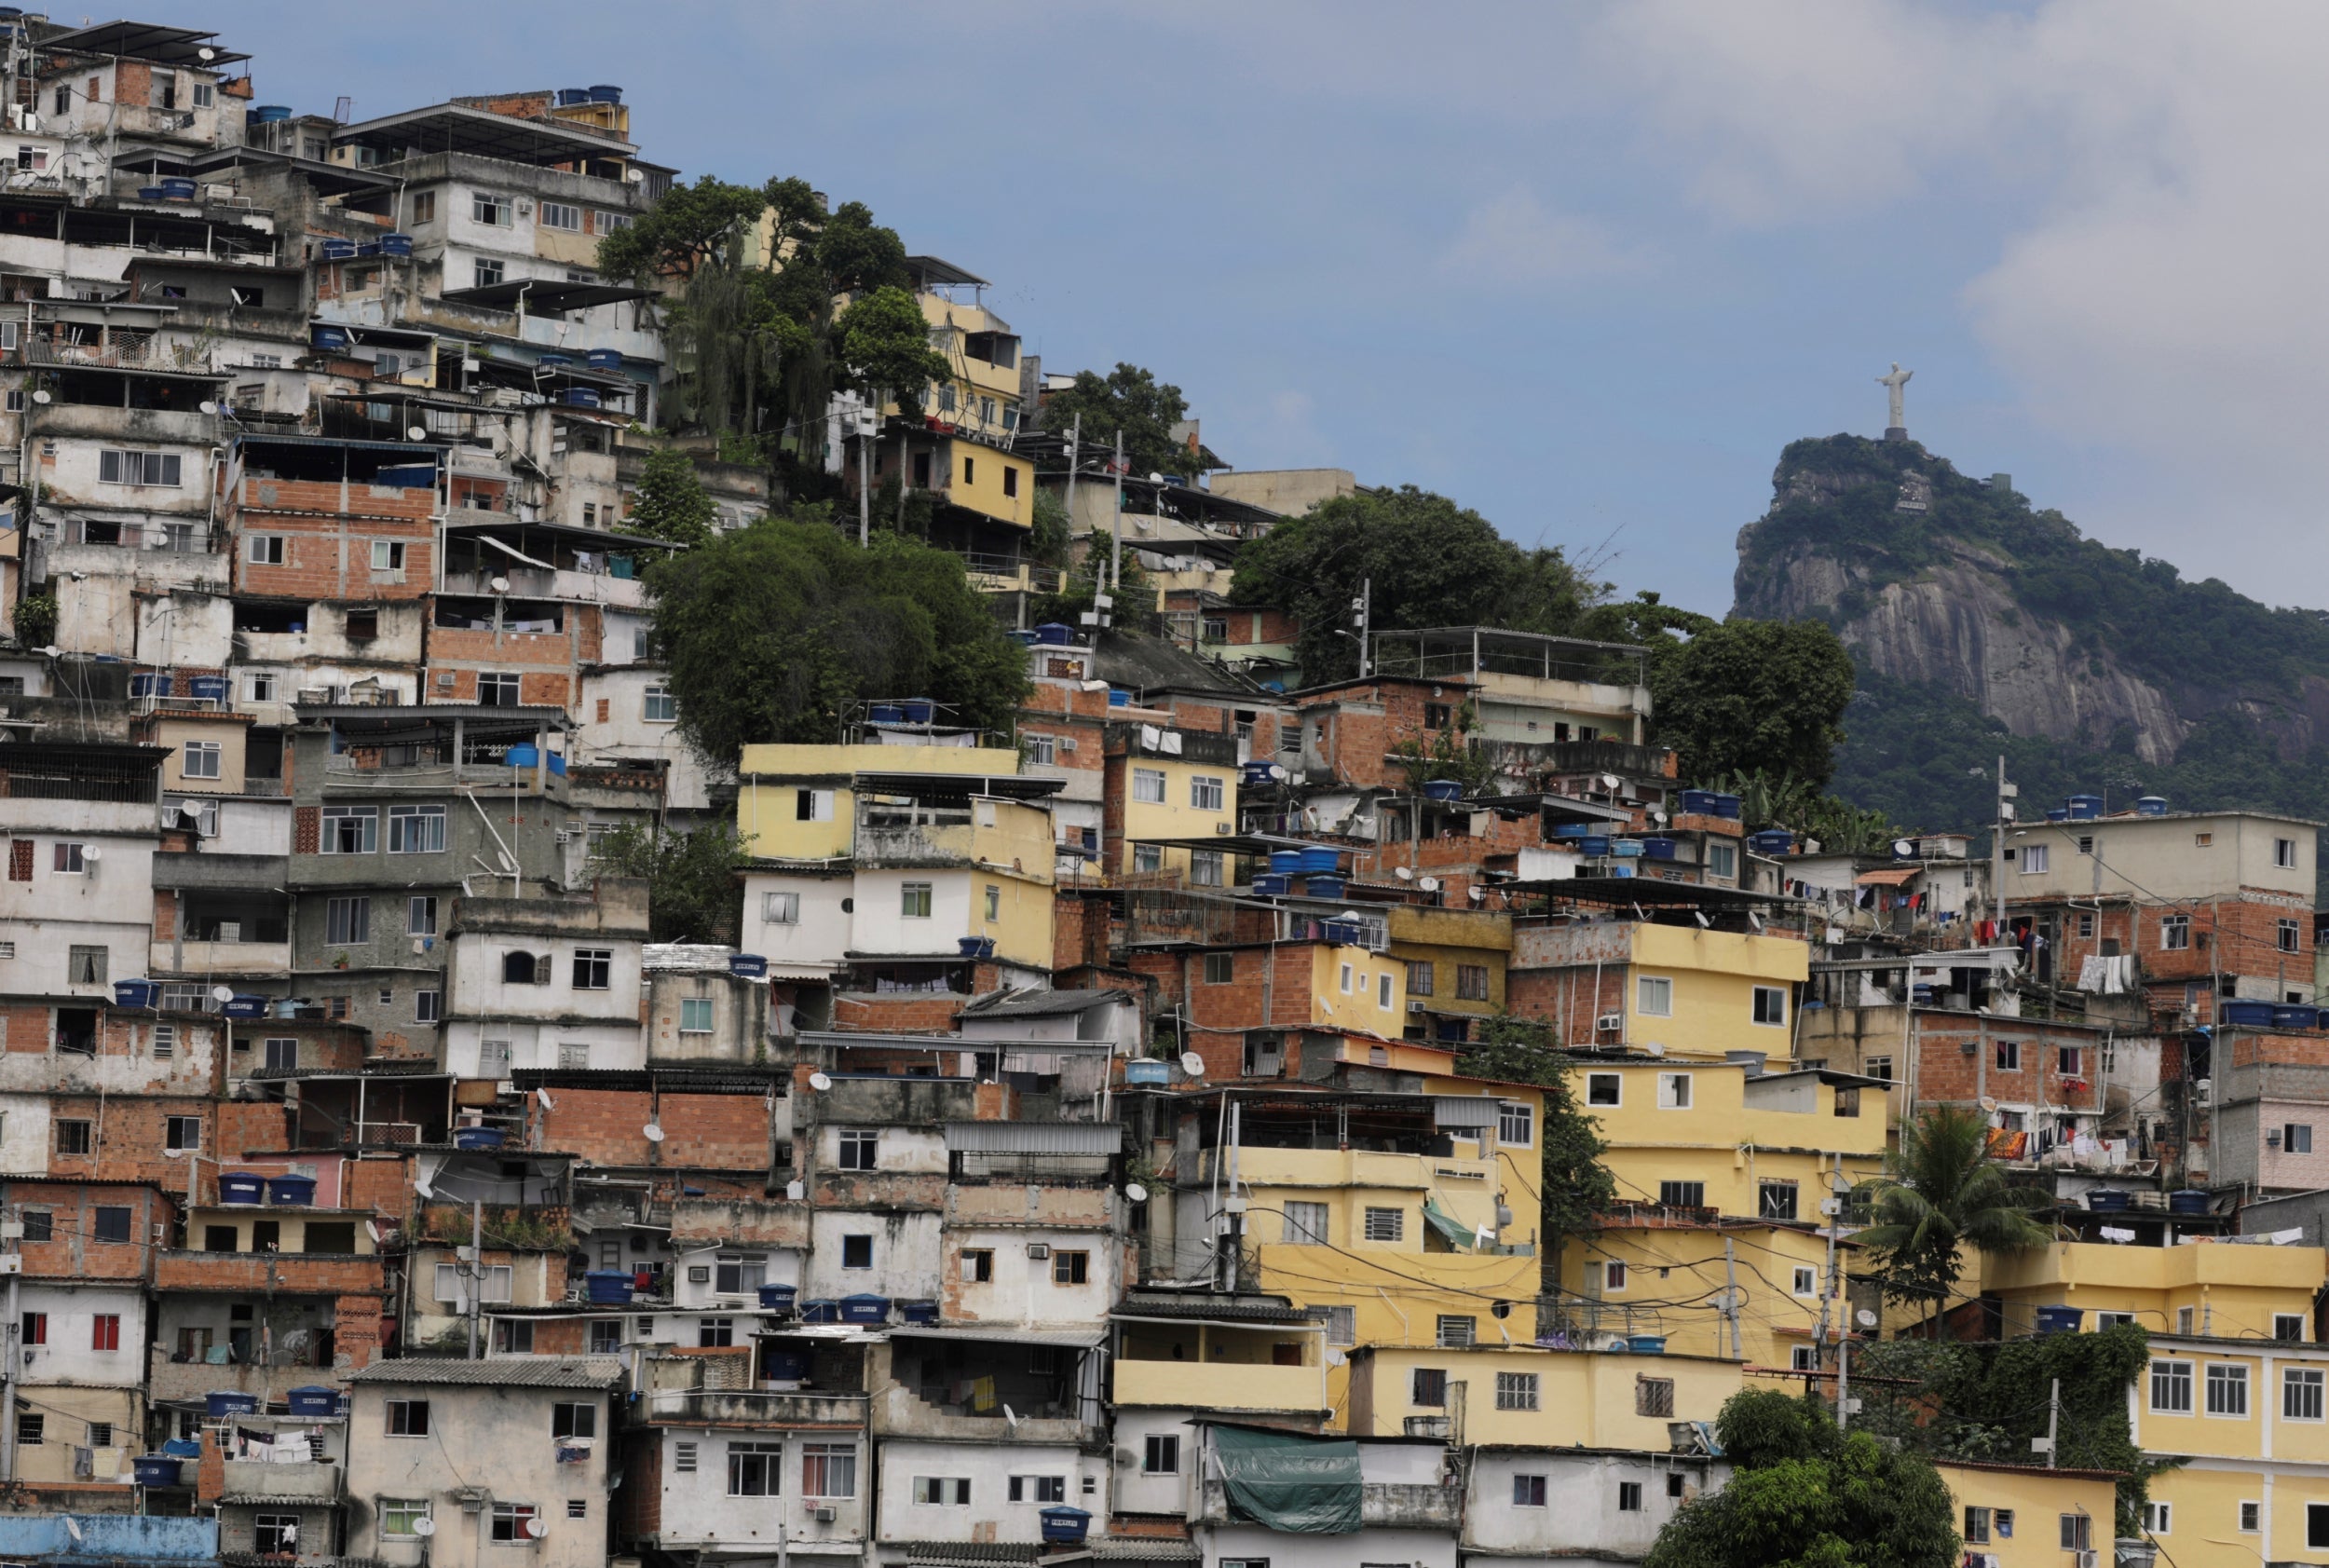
(1515, 240)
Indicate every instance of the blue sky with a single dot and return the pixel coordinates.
(1586, 270)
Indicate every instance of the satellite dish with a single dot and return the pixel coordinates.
(1480, 894)
(424, 1527)
(1902, 847)
(1611, 781)
(92, 855)
(372, 1229)
(1655, 1048)
(1137, 1192)
(221, 994)
(42, 397)
(1429, 884)
(499, 585)
(206, 53)
(72, 1527)
(1193, 1064)
(538, 1527)
(1988, 1104)
(652, 1133)
(548, 1104)
(820, 1082)
(416, 432)
(1403, 873)
(208, 407)
(1277, 772)
(1865, 1318)
(421, 1186)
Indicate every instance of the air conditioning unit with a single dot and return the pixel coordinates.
(827, 1513)
(314, 693)
(1038, 1250)
(1610, 1021)
(564, 838)
(1066, 742)
(445, 680)
(2087, 1559)
(1224, 827)
(1969, 1048)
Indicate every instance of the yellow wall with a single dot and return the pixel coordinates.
(2203, 1523)
(1360, 1008)
(765, 810)
(1447, 938)
(973, 378)
(231, 739)
(2264, 1428)
(2233, 1291)
(68, 1411)
(2038, 1497)
(975, 479)
(1583, 1397)
(1174, 817)
(1715, 974)
(1718, 1141)
(1666, 1263)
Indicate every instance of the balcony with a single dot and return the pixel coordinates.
(129, 353)
(1220, 1386)
(1382, 1506)
(252, 1479)
(219, 958)
(306, 1274)
(175, 539)
(744, 1407)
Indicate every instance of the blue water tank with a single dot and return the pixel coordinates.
(918, 1311)
(606, 93)
(178, 189)
(1321, 885)
(777, 1298)
(137, 994)
(1658, 849)
(150, 683)
(1053, 633)
(865, 1308)
(2060, 1319)
(582, 397)
(314, 1399)
(209, 688)
(335, 250)
(604, 359)
(1698, 802)
(1148, 1072)
(568, 97)
(2085, 807)
(748, 966)
(1066, 1524)
(1119, 699)
(152, 193)
(271, 114)
(396, 244)
(919, 710)
(608, 1287)
(1318, 858)
(230, 1402)
(2151, 806)
(329, 337)
(1443, 790)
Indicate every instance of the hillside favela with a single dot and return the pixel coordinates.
(671, 903)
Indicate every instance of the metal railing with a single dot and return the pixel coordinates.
(177, 539)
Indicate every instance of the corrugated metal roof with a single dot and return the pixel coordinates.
(1041, 1004)
(967, 1554)
(514, 1372)
(1129, 1548)
(1247, 1309)
(1036, 1138)
(1071, 1339)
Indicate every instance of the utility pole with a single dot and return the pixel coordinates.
(1365, 605)
(1116, 558)
(1730, 1296)
(1228, 1256)
(864, 482)
(2053, 1416)
(2006, 792)
(476, 1268)
(903, 439)
(1075, 448)
(10, 1354)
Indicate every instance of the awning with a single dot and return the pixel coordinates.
(1282, 1481)
(1457, 1232)
(1891, 877)
(514, 553)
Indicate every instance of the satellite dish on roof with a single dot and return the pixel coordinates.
(820, 1082)
(499, 585)
(208, 406)
(652, 1133)
(1137, 1192)
(1479, 894)
(206, 53)
(420, 1185)
(543, 1095)
(416, 432)
(372, 1229)
(1865, 1318)
(1403, 873)
(1429, 884)
(1611, 781)
(424, 1527)
(1193, 1064)
(221, 994)
(42, 396)
(1277, 772)
(1904, 848)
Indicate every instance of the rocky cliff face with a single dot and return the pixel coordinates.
(1916, 567)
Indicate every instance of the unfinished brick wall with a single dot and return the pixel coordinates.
(126, 1135)
(73, 1250)
(604, 1128)
(1572, 997)
(897, 1012)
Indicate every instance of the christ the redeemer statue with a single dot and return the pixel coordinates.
(1897, 428)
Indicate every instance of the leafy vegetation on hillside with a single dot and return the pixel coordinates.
(2155, 623)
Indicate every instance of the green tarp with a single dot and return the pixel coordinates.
(1456, 1230)
(1282, 1481)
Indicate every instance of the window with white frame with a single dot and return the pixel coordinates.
(1654, 996)
(202, 760)
(2227, 1390)
(151, 470)
(2035, 859)
(415, 829)
(1515, 1125)
(1148, 784)
(695, 1014)
(497, 212)
(1770, 1006)
(2170, 1387)
(1204, 792)
(660, 706)
(2284, 854)
(1515, 1391)
(2301, 1393)
(2174, 933)
(779, 908)
(1674, 1091)
(557, 214)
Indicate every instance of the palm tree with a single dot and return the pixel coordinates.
(1941, 1192)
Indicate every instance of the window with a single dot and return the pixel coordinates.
(755, 1469)
(1428, 1387)
(271, 1534)
(1771, 1006)
(1807, 1282)
(1204, 792)
(1471, 982)
(111, 1222)
(1147, 858)
(1072, 1268)
(2288, 1326)
(661, 706)
(1386, 1224)
(2009, 1055)
(1383, 990)
(2174, 933)
(73, 1137)
(427, 1008)
(181, 1132)
(1220, 969)
(1205, 868)
(695, 1014)
(1654, 996)
(2077, 1532)
(1603, 1088)
(715, 1333)
(1345, 981)
(35, 1326)
(2034, 858)
(2183, 1321)
(942, 1492)
(397, 1515)
(1976, 1526)
(779, 908)
(1515, 1125)
(159, 469)
(30, 1428)
(511, 1522)
(1342, 1323)
(557, 214)
(40, 1224)
(978, 1265)
(607, 1337)
(85, 966)
(914, 900)
(2227, 1390)
(2252, 1518)
(69, 859)
(684, 1457)
(349, 830)
(994, 901)
(1775, 1200)
(1419, 978)
(498, 691)
(1161, 1454)
(1628, 1497)
(1673, 1091)
(1038, 1489)
(1527, 1491)
(514, 1336)
(1455, 1333)
(415, 829)
(2284, 854)
(1043, 750)
(2316, 1518)
(485, 207)
(1722, 860)
(1148, 784)
(857, 1252)
(858, 1149)
(346, 921)
(2285, 936)
(2301, 1394)
(828, 1470)
(200, 760)
(2170, 1387)
(408, 1418)
(1681, 1194)
(1515, 1391)
(1306, 1224)
(594, 969)
(2296, 1138)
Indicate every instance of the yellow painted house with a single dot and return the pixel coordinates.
(2244, 1418)
(1528, 1394)
(1164, 788)
(2028, 1516)
(1454, 960)
(890, 856)
(1679, 988)
(1642, 1272)
(2212, 1289)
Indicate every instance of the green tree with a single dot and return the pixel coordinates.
(37, 619)
(1939, 1194)
(1448, 755)
(1431, 563)
(1574, 1186)
(693, 894)
(671, 502)
(885, 342)
(778, 631)
(688, 226)
(1755, 694)
(1802, 1495)
(1133, 401)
